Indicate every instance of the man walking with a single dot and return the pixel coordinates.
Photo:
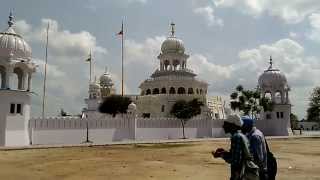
(239, 158)
(257, 146)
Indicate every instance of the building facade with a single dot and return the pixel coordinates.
(273, 84)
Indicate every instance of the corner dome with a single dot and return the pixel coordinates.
(272, 78)
(12, 45)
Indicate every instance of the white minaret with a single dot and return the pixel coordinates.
(16, 71)
(273, 84)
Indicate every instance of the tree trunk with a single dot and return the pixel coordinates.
(182, 123)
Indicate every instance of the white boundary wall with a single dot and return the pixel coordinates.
(105, 129)
(68, 130)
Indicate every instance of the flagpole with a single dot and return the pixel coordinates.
(90, 77)
(122, 77)
(45, 74)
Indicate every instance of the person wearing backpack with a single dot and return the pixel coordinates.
(239, 157)
(257, 146)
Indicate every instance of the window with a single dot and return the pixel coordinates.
(278, 115)
(12, 108)
(162, 108)
(268, 116)
(281, 114)
(19, 109)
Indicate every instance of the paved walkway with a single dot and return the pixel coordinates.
(128, 142)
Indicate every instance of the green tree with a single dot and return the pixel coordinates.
(313, 112)
(293, 121)
(184, 111)
(63, 113)
(115, 104)
(249, 102)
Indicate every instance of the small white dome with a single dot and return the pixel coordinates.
(13, 45)
(132, 107)
(105, 79)
(94, 86)
(172, 45)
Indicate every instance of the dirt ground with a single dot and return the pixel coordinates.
(297, 159)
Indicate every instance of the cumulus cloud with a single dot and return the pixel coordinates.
(61, 42)
(208, 13)
(67, 71)
(293, 11)
(314, 20)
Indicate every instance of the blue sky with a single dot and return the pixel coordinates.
(229, 43)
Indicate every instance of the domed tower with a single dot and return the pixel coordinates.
(106, 84)
(172, 81)
(16, 69)
(273, 84)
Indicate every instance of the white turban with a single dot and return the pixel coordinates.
(234, 119)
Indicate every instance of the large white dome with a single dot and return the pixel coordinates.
(172, 45)
(13, 45)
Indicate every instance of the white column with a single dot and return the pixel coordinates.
(9, 72)
(24, 80)
(29, 81)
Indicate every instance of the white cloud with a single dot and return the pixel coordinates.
(208, 13)
(293, 35)
(61, 42)
(314, 20)
(292, 11)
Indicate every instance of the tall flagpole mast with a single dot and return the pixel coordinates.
(90, 59)
(45, 75)
(122, 36)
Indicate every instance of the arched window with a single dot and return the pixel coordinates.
(197, 91)
(200, 91)
(190, 90)
(17, 81)
(166, 64)
(155, 91)
(163, 91)
(172, 90)
(181, 90)
(278, 97)
(268, 95)
(148, 92)
(2, 77)
(176, 64)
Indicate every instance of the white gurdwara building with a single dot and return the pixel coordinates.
(16, 70)
(171, 82)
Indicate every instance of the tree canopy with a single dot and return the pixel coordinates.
(249, 101)
(313, 112)
(115, 104)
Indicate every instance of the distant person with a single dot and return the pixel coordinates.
(239, 157)
(257, 146)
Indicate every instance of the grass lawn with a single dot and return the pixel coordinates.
(297, 159)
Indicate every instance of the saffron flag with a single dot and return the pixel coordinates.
(121, 31)
(89, 58)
